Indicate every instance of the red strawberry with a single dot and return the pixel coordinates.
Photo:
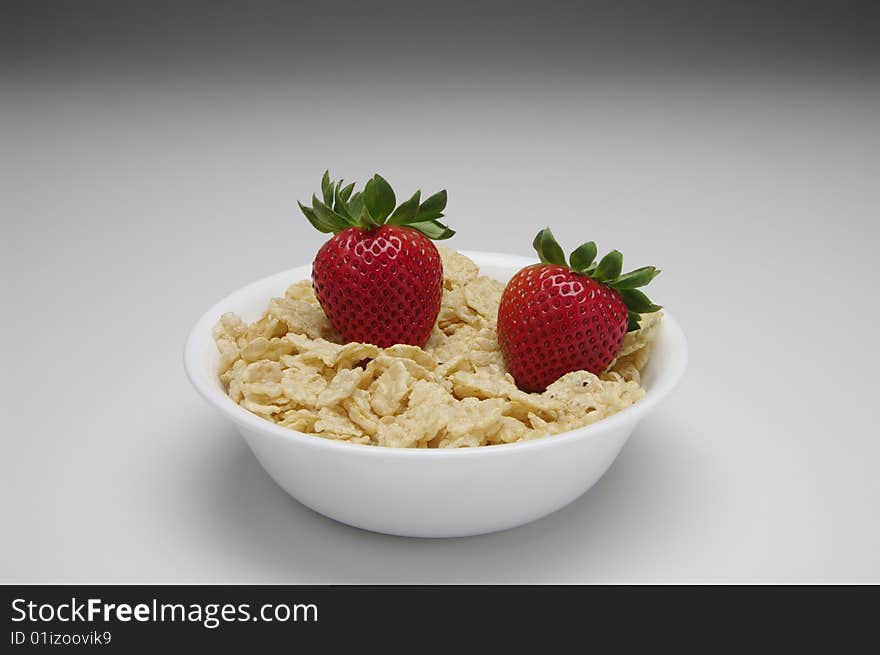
(557, 317)
(379, 279)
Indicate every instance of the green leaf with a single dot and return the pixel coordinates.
(637, 278)
(609, 267)
(345, 194)
(339, 204)
(356, 204)
(638, 302)
(365, 220)
(632, 321)
(548, 249)
(407, 212)
(357, 211)
(433, 207)
(433, 230)
(379, 198)
(328, 216)
(327, 188)
(318, 223)
(583, 256)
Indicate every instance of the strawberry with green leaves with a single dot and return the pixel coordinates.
(379, 279)
(561, 316)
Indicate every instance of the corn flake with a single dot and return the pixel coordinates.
(290, 368)
(458, 270)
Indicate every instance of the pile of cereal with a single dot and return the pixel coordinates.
(289, 368)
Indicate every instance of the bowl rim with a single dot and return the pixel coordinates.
(201, 334)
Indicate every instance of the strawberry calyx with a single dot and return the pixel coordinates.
(606, 271)
(341, 207)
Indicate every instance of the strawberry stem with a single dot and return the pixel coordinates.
(342, 207)
(607, 272)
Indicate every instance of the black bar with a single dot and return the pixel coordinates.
(672, 616)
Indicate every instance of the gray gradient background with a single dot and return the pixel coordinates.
(151, 159)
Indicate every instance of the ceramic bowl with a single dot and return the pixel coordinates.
(429, 492)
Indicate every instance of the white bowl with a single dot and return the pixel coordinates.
(429, 492)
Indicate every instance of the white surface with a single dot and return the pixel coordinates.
(132, 203)
(428, 493)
